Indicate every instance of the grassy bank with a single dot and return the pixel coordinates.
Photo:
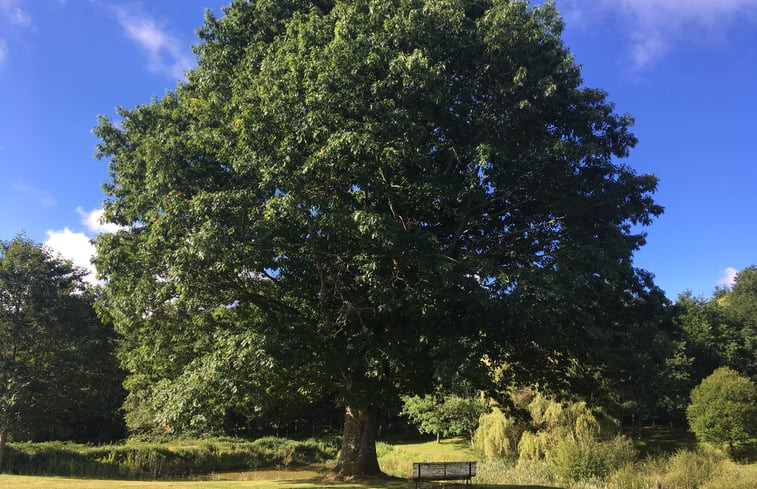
(135, 460)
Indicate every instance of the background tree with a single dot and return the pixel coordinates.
(377, 195)
(720, 331)
(58, 377)
(446, 415)
(723, 409)
(740, 309)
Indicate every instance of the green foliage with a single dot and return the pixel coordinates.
(505, 472)
(497, 435)
(723, 409)
(554, 422)
(732, 476)
(449, 416)
(155, 461)
(740, 306)
(690, 470)
(720, 331)
(58, 373)
(628, 476)
(586, 458)
(373, 195)
(568, 440)
(574, 441)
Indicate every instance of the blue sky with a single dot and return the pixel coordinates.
(685, 69)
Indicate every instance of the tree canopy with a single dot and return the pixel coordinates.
(723, 409)
(366, 197)
(58, 376)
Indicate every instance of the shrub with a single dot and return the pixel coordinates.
(723, 409)
(629, 477)
(690, 470)
(584, 459)
(732, 476)
(154, 461)
(572, 460)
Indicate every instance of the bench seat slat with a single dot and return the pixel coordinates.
(443, 470)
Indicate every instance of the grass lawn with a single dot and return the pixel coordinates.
(395, 459)
(263, 479)
(33, 482)
(663, 439)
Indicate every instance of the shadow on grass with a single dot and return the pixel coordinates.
(319, 477)
(662, 440)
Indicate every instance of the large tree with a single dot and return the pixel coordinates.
(58, 375)
(366, 198)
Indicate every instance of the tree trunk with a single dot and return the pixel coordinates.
(358, 457)
(3, 440)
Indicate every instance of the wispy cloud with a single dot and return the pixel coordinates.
(653, 28)
(728, 277)
(12, 17)
(9, 9)
(42, 197)
(167, 54)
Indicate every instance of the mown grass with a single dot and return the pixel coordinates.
(38, 482)
(397, 459)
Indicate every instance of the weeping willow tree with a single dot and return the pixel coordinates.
(546, 425)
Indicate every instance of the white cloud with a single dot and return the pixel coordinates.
(167, 54)
(728, 277)
(656, 27)
(93, 220)
(76, 247)
(3, 50)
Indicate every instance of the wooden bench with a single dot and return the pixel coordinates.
(439, 471)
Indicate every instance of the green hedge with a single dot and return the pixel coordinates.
(135, 460)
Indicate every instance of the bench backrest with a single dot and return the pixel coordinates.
(444, 470)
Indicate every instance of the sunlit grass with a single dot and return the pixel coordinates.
(266, 481)
(397, 459)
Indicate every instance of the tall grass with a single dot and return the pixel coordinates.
(685, 469)
(136, 460)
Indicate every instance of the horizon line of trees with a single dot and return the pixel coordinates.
(61, 379)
